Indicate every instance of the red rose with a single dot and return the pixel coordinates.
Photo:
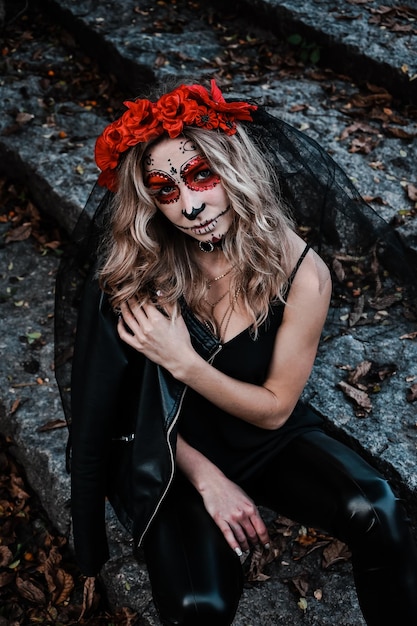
(216, 101)
(206, 118)
(106, 156)
(108, 179)
(175, 110)
(140, 122)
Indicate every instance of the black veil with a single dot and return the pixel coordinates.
(328, 209)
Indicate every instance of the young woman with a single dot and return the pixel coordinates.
(197, 332)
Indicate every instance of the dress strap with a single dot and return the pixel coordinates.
(300, 260)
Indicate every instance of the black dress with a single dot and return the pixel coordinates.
(297, 470)
(241, 449)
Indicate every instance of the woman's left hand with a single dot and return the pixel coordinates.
(163, 340)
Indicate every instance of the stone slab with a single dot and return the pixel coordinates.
(352, 37)
(60, 173)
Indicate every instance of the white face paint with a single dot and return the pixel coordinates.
(186, 190)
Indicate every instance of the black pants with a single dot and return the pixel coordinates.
(197, 579)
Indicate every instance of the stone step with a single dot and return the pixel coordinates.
(51, 150)
(360, 39)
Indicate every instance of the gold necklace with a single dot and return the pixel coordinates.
(221, 328)
(212, 305)
(213, 280)
(228, 316)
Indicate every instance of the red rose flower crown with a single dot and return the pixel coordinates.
(187, 105)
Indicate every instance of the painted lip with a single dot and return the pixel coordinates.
(205, 227)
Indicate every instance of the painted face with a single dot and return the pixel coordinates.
(186, 189)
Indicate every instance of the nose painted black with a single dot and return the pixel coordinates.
(194, 212)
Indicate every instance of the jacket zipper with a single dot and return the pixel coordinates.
(171, 454)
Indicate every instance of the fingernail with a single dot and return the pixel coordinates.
(238, 552)
(159, 292)
(267, 546)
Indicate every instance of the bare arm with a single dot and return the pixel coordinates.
(230, 507)
(167, 342)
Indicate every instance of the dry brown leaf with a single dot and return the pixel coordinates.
(357, 312)
(30, 591)
(50, 570)
(16, 488)
(412, 393)
(370, 100)
(360, 398)
(335, 552)
(6, 578)
(301, 584)
(353, 128)
(363, 144)
(412, 192)
(20, 233)
(15, 406)
(260, 558)
(52, 425)
(64, 584)
(128, 617)
(338, 270)
(6, 556)
(24, 118)
(360, 370)
(302, 550)
(412, 335)
(385, 301)
(399, 133)
(89, 596)
(298, 107)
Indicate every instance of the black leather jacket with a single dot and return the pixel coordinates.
(125, 412)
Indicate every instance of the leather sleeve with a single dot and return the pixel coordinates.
(99, 363)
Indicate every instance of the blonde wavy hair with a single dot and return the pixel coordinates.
(144, 252)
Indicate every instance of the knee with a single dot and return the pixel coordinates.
(202, 610)
(373, 510)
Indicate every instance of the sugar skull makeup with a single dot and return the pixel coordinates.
(195, 173)
(187, 190)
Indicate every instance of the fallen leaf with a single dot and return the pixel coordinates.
(52, 425)
(24, 118)
(260, 558)
(412, 192)
(412, 393)
(399, 133)
(359, 372)
(15, 406)
(30, 591)
(6, 578)
(20, 233)
(353, 128)
(89, 596)
(301, 584)
(412, 335)
(359, 398)
(6, 556)
(335, 552)
(338, 270)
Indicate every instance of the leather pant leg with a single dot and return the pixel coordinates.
(320, 482)
(196, 578)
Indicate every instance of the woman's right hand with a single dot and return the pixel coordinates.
(235, 513)
(230, 507)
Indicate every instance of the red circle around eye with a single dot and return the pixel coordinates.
(197, 166)
(157, 182)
